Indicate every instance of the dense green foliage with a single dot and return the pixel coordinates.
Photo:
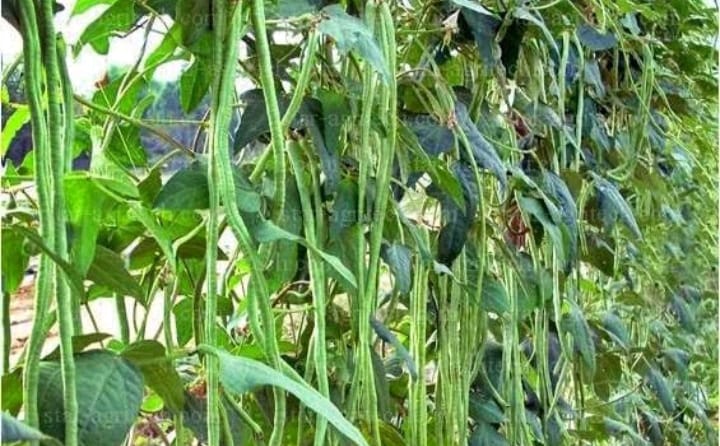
(427, 223)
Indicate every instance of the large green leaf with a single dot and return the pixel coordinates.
(351, 34)
(117, 18)
(109, 395)
(159, 374)
(108, 269)
(268, 231)
(241, 375)
(188, 189)
(194, 83)
(86, 205)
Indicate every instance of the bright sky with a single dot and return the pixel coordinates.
(89, 66)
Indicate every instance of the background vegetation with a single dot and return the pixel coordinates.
(427, 223)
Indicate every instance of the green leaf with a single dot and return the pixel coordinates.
(351, 34)
(615, 200)
(434, 138)
(484, 28)
(73, 277)
(79, 343)
(14, 123)
(556, 188)
(616, 328)
(482, 409)
(183, 315)
(484, 153)
(595, 40)
(194, 18)
(575, 324)
(398, 258)
(475, 6)
(387, 336)
(118, 18)
(158, 372)
(241, 375)
(14, 260)
(167, 47)
(659, 386)
(344, 209)
(494, 297)
(267, 231)
(86, 204)
(12, 391)
(188, 189)
(538, 209)
(13, 430)
(109, 395)
(486, 435)
(83, 5)
(194, 83)
(458, 221)
(335, 111)
(108, 269)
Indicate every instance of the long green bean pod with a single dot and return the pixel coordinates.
(317, 281)
(271, 106)
(264, 330)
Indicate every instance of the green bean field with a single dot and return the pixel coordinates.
(360, 222)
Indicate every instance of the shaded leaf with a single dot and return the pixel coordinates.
(458, 221)
(268, 231)
(109, 395)
(351, 34)
(484, 153)
(616, 202)
(659, 386)
(575, 324)
(387, 336)
(159, 375)
(398, 257)
(344, 209)
(433, 137)
(108, 269)
(616, 328)
(241, 375)
(595, 40)
(483, 28)
(494, 297)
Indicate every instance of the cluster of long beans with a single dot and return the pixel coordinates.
(52, 137)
